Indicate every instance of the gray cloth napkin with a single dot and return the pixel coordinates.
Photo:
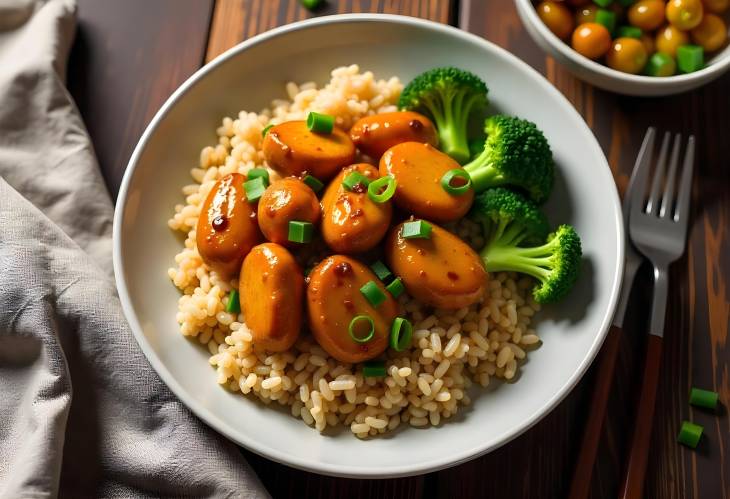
(82, 413)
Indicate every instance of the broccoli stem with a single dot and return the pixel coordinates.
(482, 174)
(502, 255)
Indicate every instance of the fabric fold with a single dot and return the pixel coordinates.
(82, 413)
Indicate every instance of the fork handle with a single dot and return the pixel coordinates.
(633, 482)
(581, 483)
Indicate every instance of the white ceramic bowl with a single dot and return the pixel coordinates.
(610, 79)
(247, 77)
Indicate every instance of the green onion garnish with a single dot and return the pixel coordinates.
(703, 398)
(233, 306)
(456, 173)
(313, 183)
(401, 333)
(396, 288)
(416, 229)
(259, 173)
(356, 182)
(629, 32)
(381, 270)
(372, 293)
(254, 188)
(374, 189)
(300, 232)
(689, 434)
(311, 4)
(266, 130)
(320, 123)
(361, 319)
(374, 369)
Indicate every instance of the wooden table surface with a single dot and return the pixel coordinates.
(129, 56)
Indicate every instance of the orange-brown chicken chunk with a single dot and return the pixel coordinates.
(351, 221)
(284, 201)
(271, 293)
(227, 227)
(418, 169)
(442, 270)
(375, 134)
(292, 149)
(334, 299)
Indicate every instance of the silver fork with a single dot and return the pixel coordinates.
(658, 229)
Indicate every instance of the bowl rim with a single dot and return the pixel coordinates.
(208, 416)
(708, 72)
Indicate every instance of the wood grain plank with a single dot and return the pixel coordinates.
(235, 21)
(238, 20)
(696, 347)
(127, 59)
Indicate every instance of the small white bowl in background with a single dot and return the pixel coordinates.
(609, 79)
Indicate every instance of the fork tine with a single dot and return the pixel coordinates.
(637, 185)
(668, 196)
(681, 214)
(653, 202)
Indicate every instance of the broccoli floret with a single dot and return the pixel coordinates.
(517, 241)
(509, 217)
(516, 153)
(449, 96)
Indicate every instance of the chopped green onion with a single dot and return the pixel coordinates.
(300, 232)
(259, 173)
(401, 333)
(690, 58)
(362, 319)
(396, 288)
(254, 188)
(416, 229)
(374, 369)
(703, 398)
(311, 4)
(660, 64)
(374, 189)
(233, 306)
(689, 434)
(381, 270)
(356, 182)
(607, 18)
(456, 190)
(603, 3)
(266, 130)
(320, 123)
(372, 293)
(629, 32)
(313, 183)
